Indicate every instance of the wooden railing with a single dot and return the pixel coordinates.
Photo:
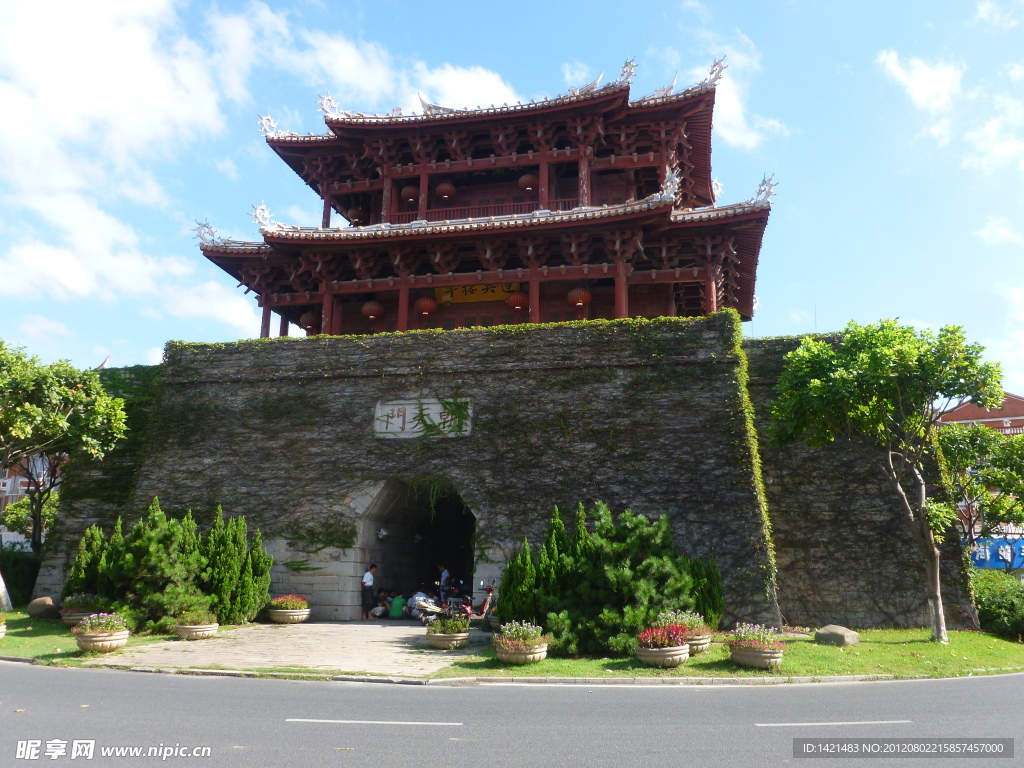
(1011, 430)
(483, 211)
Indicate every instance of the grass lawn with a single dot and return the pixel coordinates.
(49, 641)
(902, 653)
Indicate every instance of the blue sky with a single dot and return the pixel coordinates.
(895, 132)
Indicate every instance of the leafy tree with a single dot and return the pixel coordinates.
(17, 516)
(986, 477)
(49, 415)
(880, 388)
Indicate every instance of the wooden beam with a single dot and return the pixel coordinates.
(621, 290)
(283, 331)
(403, 304)
(534, 314)
(424, 191)
(326, 222)
(538, 275)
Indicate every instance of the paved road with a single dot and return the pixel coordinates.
(266, 722)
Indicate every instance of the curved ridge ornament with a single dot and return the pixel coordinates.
(665, 92)
(588, 88)
(435, 109)
(267, 126)
(261, 215)
(328, 105)
(715, 72)
(207, 235)
(627, 72)
(765, 191)
(670, 187)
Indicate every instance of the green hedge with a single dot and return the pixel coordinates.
(999, 597)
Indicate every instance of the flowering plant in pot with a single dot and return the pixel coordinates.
(520, 642)
(663, 645)
(195, 625)
(698, 633)
(448, 633)
(288, 609)
(755, 645)
(103, 632)
(76, 607)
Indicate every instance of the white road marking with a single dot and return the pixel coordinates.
(362, 722)
(851, 722)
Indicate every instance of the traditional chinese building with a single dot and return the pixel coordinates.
(587, 205)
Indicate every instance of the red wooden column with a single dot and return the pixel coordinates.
(265, 324)
(711, 292)
(621, 290)
(387, 201)
(327, 316)
(403, 305)
(534, 296)
(336, 324)
(326, 223)
(670, 307)
(283, 331)
(423, 195)
(584, 182)
(542, 187)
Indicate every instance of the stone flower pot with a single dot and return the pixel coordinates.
(759, 658)
(287, 616)
(493, 622)
(3, 629)
(102, 642)
(73, 617)
(699, 644)
(531, 656)
(195, 631)
(448, 642)
(669, 657)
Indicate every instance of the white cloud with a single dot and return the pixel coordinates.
(215, 301)
(227, 167)
(153, 355)
(999, 142)
(1016, 71)
(698, 8)
(460, 86)
(576, 73)
(39, 328)
(931, 87)
(999, 231)
(993, 13)
(1007, 348)
(733, 120)
(800, 316)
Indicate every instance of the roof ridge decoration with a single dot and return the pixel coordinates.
(715, 72)
(207, 234)
(765, 191)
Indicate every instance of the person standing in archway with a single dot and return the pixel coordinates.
(368, 597)
(443, 583)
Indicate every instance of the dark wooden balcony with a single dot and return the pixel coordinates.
(484, 211)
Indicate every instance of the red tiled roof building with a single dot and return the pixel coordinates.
(583, 206)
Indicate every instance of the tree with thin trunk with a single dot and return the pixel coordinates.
(881, 388)
(986, 477)
(51, 415)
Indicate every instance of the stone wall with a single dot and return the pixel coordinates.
(843, 550)
(651, 415)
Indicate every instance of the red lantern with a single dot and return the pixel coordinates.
(517, 300)
(579, 297)
(372, 310)
(446, 190)
(528, 182)
(357, 215)
(411, 194)
(425, 306)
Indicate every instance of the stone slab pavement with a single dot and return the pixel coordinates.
(396, 648)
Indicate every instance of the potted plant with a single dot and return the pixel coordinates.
(754, 645)
(663, 645)
(698, 633)
(102, 632)
(76, 607)
(448, 633)
(519, 642)
(196, 625)
(288, 609)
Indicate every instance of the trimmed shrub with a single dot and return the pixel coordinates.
(19, 569)
(999, 597)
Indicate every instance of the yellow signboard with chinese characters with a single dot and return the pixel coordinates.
(484, 292)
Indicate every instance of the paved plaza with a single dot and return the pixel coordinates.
(357, 647)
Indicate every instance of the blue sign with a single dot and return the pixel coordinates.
(998, 553)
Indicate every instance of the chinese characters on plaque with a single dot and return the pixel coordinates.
(426, 417)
